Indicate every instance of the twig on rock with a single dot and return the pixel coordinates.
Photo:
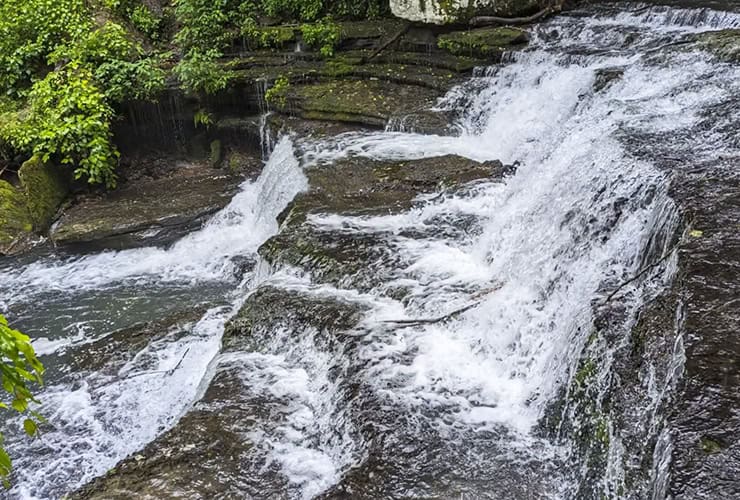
(405, 323)
(642, 272)
(168, 372)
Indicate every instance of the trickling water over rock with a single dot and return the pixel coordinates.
(363, 187)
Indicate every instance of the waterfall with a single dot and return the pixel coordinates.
(587, 114)
(102, 415)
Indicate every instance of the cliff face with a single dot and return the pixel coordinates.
(446, 11)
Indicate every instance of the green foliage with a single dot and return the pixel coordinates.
(29, 31)
(145, 21)
(259, 37)
(323, 35)
(202, 117)
(18, 367)
(65, 75)
(69, 121)
(201, 72)
(203, 25)
(140, 79)
(278, 93)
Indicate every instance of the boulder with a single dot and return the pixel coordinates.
(30, 206)
(15, 219)
(211, 452)
(488, 43)
(448, 11)
(725, 44)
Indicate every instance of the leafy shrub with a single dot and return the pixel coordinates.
(200, 72)
(278, 93)
(258, 37)
(323, 35)
(29, 31)
(65, 75)
(202, 117)
(203, 24)
(145, 21)
(18, 366)
(68, 120)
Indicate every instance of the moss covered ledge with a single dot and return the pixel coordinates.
(30, 206)
(484, 42)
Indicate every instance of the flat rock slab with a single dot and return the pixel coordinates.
(146, 213)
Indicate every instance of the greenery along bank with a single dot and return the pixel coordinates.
(66, 66)
(18, 367)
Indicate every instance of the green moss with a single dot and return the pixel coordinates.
(14, 216)
(602, 432)
(585, 372)
(369, 29)
(371, 102)
(215, 155)
(45, 188)
(710, 446)
(484, 42)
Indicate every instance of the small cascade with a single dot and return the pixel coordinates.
(103, 412)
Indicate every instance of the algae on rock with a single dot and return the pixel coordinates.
(45, 188)
(483, 42)
(31, 206)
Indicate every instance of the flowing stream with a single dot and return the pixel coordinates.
(460, 403)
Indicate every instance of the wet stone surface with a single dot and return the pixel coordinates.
(364, 187)
(152, 212)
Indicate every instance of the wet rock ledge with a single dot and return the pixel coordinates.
(175, 170)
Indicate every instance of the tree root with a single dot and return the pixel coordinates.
(479, 21)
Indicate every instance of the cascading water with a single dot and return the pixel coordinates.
(435, 409)
(102, 414)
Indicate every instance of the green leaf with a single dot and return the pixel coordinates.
(20, 405)
(30, 427)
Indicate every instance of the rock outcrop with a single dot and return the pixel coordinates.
(448, 11)
(28, 208)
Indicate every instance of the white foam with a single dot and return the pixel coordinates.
(201, 256)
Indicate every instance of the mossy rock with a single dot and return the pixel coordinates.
(369, 102)
(31, 206)
(724, 44)
(15, 219)
(488, 43)
(146, 213)
(269, 308)
(354, 30)
(45, 187)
